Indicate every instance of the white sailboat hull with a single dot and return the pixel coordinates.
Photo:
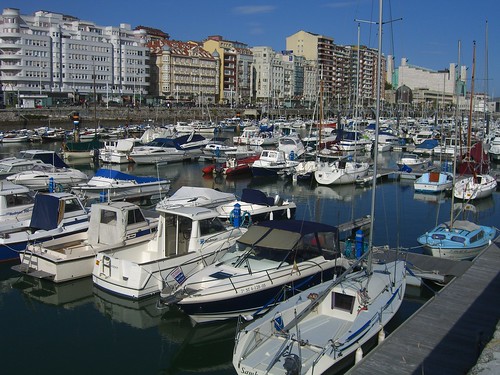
(329, 331)
(333, 174)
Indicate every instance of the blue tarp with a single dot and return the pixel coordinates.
(428, 144)
(45, 212)
(256, 197)
(51, 158)
(110, 173)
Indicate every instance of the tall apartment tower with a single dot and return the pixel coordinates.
(49, 56)
(317, 48)
(368, 71)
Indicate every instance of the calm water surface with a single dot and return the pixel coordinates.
(75, 328)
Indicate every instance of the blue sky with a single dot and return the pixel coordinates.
(427, 35)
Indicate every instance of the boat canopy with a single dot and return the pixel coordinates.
(428, 144)
(113, 174)
(285, 234)
(48, 211)
(256, 197)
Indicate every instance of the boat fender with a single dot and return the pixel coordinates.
(381, 335)
(278, 201)
(359, 355)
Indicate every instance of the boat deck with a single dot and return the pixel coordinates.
(447, 334)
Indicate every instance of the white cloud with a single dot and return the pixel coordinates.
(254, 9)
(341, 4)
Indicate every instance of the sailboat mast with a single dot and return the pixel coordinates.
(318, 148)
(486, 113)
(457, 129)
(471, 104)
(377, 123)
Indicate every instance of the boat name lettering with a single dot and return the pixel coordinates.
(253, 288)
(204, 241)
(248, 372)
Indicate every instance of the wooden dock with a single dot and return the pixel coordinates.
(382, 173)
(447, 334)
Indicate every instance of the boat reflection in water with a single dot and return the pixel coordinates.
(434, 198)
(346, 193)
(201, 348)
(141, 314)
(68, 295)
(204, 348)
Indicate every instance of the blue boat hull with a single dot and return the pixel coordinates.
(257, 303)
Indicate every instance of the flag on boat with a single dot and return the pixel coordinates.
(179, 276)
(406, 169)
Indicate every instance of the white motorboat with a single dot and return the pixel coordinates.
(160, 150)
(255, 206)
(108, 184)
(433, 182)
(340, 172)
(410, 162)
(188, 239)
(352, 141)
(271, 259)
(272, 163)
(191, 196)
(494, 149)
(292, 146)
(475, 187)
(249, 133)
(218, 148)
(54, 215)
(16, 202)
(27, 159)
(318, 329)
(112, 225)
(44, 177)
(117, 151)
(14, 137)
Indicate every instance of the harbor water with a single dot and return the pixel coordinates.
(75, 328)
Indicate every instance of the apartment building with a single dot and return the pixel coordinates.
(337, 68)
(49, 57)
(429, 85)
(364, 74)
(184, 72)
(236, 60)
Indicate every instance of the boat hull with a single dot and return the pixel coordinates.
(140, 280)
(254, 296)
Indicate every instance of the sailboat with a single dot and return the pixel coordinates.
(480, 184)
(320, 328)
(459, 239)
(345, 170)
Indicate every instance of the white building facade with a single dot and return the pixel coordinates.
(51, 56)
